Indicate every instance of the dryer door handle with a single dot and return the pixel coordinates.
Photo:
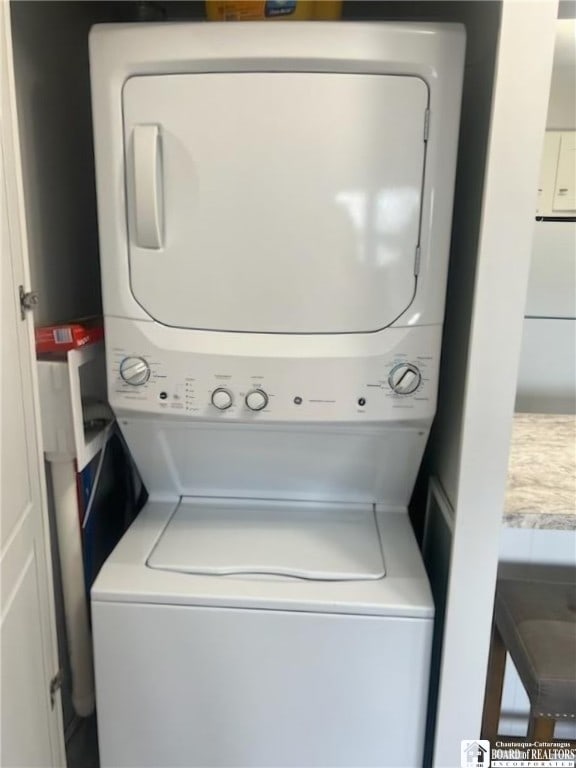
(147, 164)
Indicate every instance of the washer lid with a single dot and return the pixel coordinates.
(274, 202)
(305, 540)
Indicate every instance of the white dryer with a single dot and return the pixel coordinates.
(274, 211)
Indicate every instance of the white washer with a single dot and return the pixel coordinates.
(274, 210)
(327, 668)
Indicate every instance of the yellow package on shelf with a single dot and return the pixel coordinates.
(255, 10)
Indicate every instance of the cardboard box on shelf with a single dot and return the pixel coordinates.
(65, 336)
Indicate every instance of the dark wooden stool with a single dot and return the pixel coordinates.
(535, 622)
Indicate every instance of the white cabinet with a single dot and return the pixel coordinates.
(557, 187)
(547, 373)
(552, 282)
(565, 185)
(548, 173)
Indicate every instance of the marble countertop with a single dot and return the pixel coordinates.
(541, 491)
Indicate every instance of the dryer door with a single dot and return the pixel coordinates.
(274, 202)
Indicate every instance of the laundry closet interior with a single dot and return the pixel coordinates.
(334, 469)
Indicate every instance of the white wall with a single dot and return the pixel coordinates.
(482, 22)
(471, 442)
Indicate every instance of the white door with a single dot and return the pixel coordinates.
(274, 202)
(30, 724)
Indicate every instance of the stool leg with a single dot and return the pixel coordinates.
(494, 685)
(540, 728)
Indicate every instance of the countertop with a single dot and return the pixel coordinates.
(541, 490)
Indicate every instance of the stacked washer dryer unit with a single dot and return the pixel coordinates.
(274, 209)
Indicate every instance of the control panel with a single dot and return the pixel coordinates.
(397, 385)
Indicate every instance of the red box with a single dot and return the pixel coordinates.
(61, 338)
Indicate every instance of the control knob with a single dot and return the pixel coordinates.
(222, 398)
(134, 371)
(256, 400)
(404, 378)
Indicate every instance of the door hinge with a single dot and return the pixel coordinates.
(426, 124)
(55, 685)
(417, 261)
(28, 300)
